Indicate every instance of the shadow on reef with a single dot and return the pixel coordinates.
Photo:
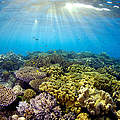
(59, 85)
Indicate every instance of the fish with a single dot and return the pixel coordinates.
(35, 38)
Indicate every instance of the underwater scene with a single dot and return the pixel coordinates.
(59, 60)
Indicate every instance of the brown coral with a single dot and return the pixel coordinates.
(7, 96)
(29, 73)
(35, 83)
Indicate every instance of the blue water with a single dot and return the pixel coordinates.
(27, 26)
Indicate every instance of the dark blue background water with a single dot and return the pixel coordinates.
(24, 29)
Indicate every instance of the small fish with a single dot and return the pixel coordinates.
(35, 38)
(37, 71)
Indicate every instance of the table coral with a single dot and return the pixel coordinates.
(29, 73)
(7, 96)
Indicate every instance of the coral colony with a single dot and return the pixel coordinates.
(59, 86)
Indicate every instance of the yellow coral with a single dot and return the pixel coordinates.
(82, 116)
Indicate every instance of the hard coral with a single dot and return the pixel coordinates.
(80, 68)
(44, 107)
(96, 101)
(7, 96)
(82, 116)
(38, 61)
(28, 94)
(53, 70)
(18, 90)
(35, 83)
(23, 106)
(100, 81)
(29, 73)
(11, 61)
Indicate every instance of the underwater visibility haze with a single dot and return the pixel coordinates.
(59, 60)
(70, 25)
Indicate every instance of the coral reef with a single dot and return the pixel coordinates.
(35, 83)
(23, 106)
(29, 73)
(53, 70)
(82, 116)
(71, 86)
(28, 94)
(44, 107)
(66, 88)
(7, 96)
(100, 81)
(80, 68)
(11, 61)
(38, 61)
(68, 116)
(96, 101)
(18, 90)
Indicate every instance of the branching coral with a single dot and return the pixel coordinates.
(66, 90)
(23, 106)
(7, 96)
(29, 73)
(80, 68)
(44, 107)
(100, 81)
(53, 70)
